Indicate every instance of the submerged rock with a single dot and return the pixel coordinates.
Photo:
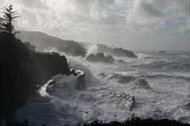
(141, 83)
(122, 79)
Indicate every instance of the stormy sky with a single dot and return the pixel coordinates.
(133, 24)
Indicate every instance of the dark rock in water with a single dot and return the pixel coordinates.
(121, 61)
(100, 57)
(80, 75)
(115, 51)
(186, 106)
(162, 52)
(123, 52)
(126, 79)
(123, 79)
(81, 80)
(141, 83)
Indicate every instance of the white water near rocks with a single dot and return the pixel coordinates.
(152, 85)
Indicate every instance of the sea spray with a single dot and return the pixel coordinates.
(92, 49)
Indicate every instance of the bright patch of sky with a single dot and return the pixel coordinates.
(134, 24)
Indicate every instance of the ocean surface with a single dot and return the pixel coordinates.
(154, 85)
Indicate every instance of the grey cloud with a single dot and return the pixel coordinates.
(114, 20)
(34, 4)
(185, 6)
(151, 9)
(31, 17)
(172, 6)
(106, 20)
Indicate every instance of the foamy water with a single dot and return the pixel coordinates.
(152, 85)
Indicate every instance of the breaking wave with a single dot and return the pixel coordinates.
(113, 92)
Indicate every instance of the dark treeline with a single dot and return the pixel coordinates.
(21, 68)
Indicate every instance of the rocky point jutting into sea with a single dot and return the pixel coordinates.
(148, 85)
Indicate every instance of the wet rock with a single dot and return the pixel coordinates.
(122, 79)
(100, 57)
(141, 83)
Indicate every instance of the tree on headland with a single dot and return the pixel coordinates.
(6, 22)
(21, 68)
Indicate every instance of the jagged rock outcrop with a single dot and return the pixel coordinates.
(21, 69)
(48, 65)
(100, 57)
(114, 51)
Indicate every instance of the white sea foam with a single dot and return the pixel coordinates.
(162, 94)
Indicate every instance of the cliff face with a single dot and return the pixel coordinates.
(48, 65)
(21, 69)
(15, 68)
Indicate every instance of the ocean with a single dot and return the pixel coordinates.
(153, 85)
